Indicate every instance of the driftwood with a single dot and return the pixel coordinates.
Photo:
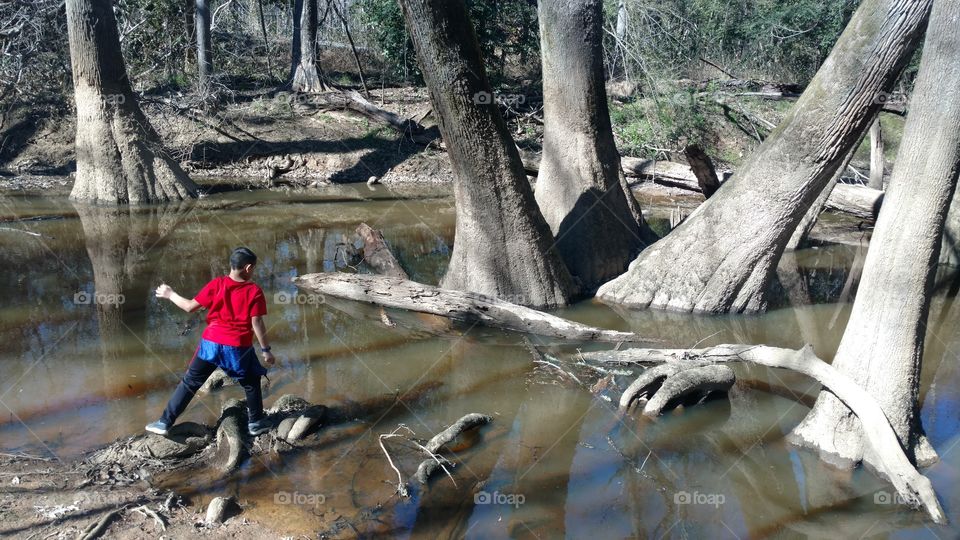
(463, 306)
(891, 462)
(377, 254)
(466, 423)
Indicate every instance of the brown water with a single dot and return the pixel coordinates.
(557, 461)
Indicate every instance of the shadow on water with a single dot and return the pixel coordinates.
(91, 356)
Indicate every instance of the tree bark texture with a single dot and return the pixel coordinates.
(882, 346)
(578, 184)
(503, 247)
(304, 74)
(204, 45)
(120, 158)
(722, 258)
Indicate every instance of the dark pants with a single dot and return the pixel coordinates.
(196, 375)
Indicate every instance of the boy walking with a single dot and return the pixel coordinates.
(235, 309)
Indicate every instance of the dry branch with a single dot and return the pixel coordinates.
(458, 305)
(891, 461)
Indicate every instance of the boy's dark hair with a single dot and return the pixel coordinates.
(241, 257)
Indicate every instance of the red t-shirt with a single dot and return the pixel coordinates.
(230, 305)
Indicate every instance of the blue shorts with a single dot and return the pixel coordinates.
(237, 362)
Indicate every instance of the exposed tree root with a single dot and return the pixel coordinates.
(96, 529)
(454, 304)
(230, 434)
(699, 380)
(429, 466)
(891, 462)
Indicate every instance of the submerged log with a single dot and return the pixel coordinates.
(891, 461)
(377, 253)
(466, 423)
(463, 306)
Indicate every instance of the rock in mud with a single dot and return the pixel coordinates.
(217, 380)
(307, 421)
(184, 440)
(220, 509)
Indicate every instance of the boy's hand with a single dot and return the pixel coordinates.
(163, 291)
(268, 358)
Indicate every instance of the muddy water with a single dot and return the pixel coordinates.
(90, 356)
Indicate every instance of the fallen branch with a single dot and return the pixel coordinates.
(891, 461)
(147, 512)
(433, 446)
(458, 305)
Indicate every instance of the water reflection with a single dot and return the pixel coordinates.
(80, 375)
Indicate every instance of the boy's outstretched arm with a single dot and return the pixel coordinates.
(260, 330)
(188, 305)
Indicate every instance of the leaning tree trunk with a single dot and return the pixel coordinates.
(950, 248)
(119, 156)
(204, 45)
(882, 345)
(578, 185)
(724, 255)
(503, 246)
(304, 76)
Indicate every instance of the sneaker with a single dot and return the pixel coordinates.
(158, 427)
(258, 427)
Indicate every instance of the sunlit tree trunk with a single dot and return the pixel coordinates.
(204, 45)
(722, 258)
(876, 156)
(578, 185)
(304, 75)
(882, 345)
(119, 156)
(503, 247)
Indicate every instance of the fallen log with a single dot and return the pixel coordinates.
(353, 101)
(891, 462)
(856, 200)
(468, 307)
(860, 201)
(377, 254)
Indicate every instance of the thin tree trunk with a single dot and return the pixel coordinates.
(876, 156)
(503, 247)
(120, 158)
(204, 45)
(882, 346)
(578, 184)
(304, 75)
(353, 47)
(266, 42)
(722, 258)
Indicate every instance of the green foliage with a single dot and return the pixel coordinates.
(506, 31)
(664, 122)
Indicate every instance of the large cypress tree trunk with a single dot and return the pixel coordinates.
(503, 246)
(304, 76)
(204, 45)
(578, 185)
(119, 156)
(724, 255)
(882, 345)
